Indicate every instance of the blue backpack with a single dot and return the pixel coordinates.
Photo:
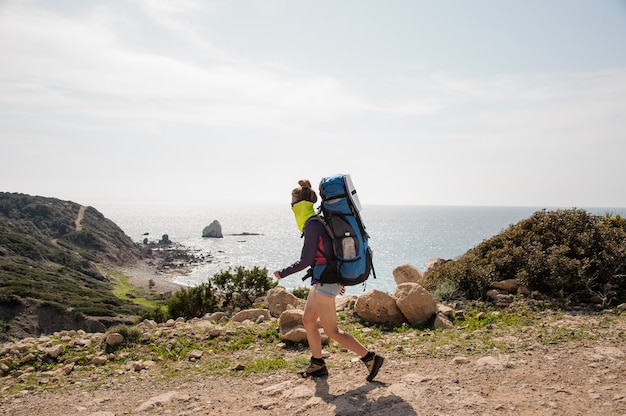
(351, 260)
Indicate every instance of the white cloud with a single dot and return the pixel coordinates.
(171, 13)
(86, 61)
(84, 68)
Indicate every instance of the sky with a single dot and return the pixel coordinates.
(483, 102)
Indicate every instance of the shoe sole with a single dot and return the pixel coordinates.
(322, 372)
(378, 362)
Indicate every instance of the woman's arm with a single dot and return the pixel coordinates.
(309, 249)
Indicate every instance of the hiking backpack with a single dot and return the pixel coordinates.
(351, 260)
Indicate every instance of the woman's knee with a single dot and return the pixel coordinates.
(309, 319)
(333, 333)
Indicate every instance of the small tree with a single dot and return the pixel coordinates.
(193, 302)
(225, 291)
(241, 287)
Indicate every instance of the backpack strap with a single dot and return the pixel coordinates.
(328, 231)
(331, 271)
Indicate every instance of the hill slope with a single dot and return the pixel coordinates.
(51, 256)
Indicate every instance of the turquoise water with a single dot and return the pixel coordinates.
(398, 234)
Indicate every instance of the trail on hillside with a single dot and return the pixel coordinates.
(79, 218)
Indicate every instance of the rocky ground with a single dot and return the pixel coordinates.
(496, 370)
(572, 379)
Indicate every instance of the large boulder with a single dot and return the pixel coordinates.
(407, 273)
(415, 303)
(509, 285)
(213, 230)
(279, 300)
(290, 327)
(345, 302)
(442, 322)
(251, 315)
(433, 263)
(378, 307)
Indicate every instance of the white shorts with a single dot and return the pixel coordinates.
(328, 289)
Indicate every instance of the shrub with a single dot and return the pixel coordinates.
(131, 335)
(241, 287)
(447, 290)
(193, 302)
(226, 291)
(301, 292)
(157, 314)
(569, 254)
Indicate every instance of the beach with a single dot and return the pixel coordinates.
(145, 271)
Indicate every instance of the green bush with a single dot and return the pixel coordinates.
(226, 291)
(193, 302)
(131, 336)
(568, 254)
(301, 292)
(157, 314)
(241, 287)
(446, 291)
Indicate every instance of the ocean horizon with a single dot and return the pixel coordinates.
(267, 236)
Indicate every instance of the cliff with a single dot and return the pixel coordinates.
(52, 257)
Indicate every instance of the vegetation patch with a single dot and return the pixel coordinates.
(44, 256)
(226, 291)
(566, 254)
(124, 290)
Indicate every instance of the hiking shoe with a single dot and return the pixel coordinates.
(317, 368)
(373, 362)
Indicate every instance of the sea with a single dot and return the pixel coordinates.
(266, 235)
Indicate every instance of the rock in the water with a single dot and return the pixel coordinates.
(213, 230)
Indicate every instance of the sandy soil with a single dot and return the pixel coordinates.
(144, 271)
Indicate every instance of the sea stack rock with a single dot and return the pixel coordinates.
(213, 230)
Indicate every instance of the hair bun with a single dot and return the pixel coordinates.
(305, 183)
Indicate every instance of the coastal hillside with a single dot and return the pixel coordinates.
(53, 254)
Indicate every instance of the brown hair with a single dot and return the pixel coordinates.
(304, 192)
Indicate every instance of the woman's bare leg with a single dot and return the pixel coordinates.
(309, 320)
(324, 307)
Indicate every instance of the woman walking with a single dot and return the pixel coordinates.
(320, 303)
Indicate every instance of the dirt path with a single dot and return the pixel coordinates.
(576, 378)
(79, 218)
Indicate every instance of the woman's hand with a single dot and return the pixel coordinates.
(342, 291)
(277, 275)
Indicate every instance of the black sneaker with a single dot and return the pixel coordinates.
(317, 368)
(373, 362)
